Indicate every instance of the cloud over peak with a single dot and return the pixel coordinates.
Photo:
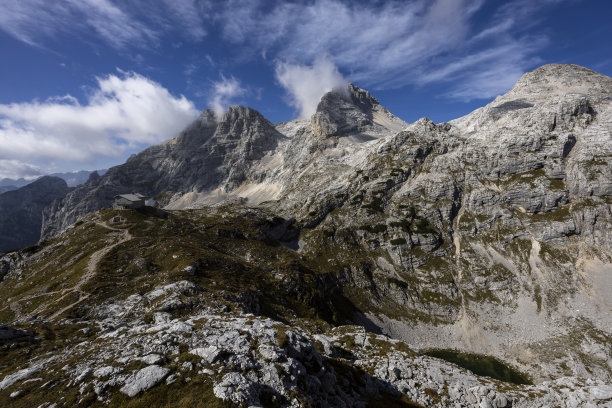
(223, 94)
(306, 84)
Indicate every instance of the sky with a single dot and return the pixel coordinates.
(86, 83)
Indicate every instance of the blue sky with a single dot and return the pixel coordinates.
(86, 83)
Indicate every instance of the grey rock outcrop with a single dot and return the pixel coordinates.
(144, 379)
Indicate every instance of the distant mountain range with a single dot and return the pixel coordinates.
(72, 179)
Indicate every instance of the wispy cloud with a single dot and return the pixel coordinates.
(121, 25)
(224, 92)
(190, 14)
(30, 20)
(112, 24)
(379, 45)
(124, 111)
(489, 72)
(394, 44)
(371, 42)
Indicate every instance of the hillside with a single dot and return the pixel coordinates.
(21, 211)
(211, 305)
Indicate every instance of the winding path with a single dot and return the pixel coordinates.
(90, 271)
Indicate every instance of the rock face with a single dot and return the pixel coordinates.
(209, 154)
(21, 211)
(352, 112)
(490, 234)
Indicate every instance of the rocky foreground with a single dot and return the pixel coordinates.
(251, 361)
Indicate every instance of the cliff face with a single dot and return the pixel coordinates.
(209, 153)
(21, 211)
(490, 233)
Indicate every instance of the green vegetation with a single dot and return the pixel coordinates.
(51, 338)
(403, 224)
(422, 226)
(386, 346)
(481, 365)
(198, 246)
(282, 339)
(374, 206)
(395, 171)
(526, 177)
(433, 395)
(398, 283)
(318, 346)
(398, 241)
(329, 233)
(557, 184)
(374, 229)
(560, 214)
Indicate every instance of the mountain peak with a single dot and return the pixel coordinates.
(237, 112)
(361, 97)
(562, 78)
(353, 111)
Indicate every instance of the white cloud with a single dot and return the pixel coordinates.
(307, 84)
(125, 111)
(224, 93)
(15, 169)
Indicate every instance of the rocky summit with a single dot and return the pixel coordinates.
(346, 260)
